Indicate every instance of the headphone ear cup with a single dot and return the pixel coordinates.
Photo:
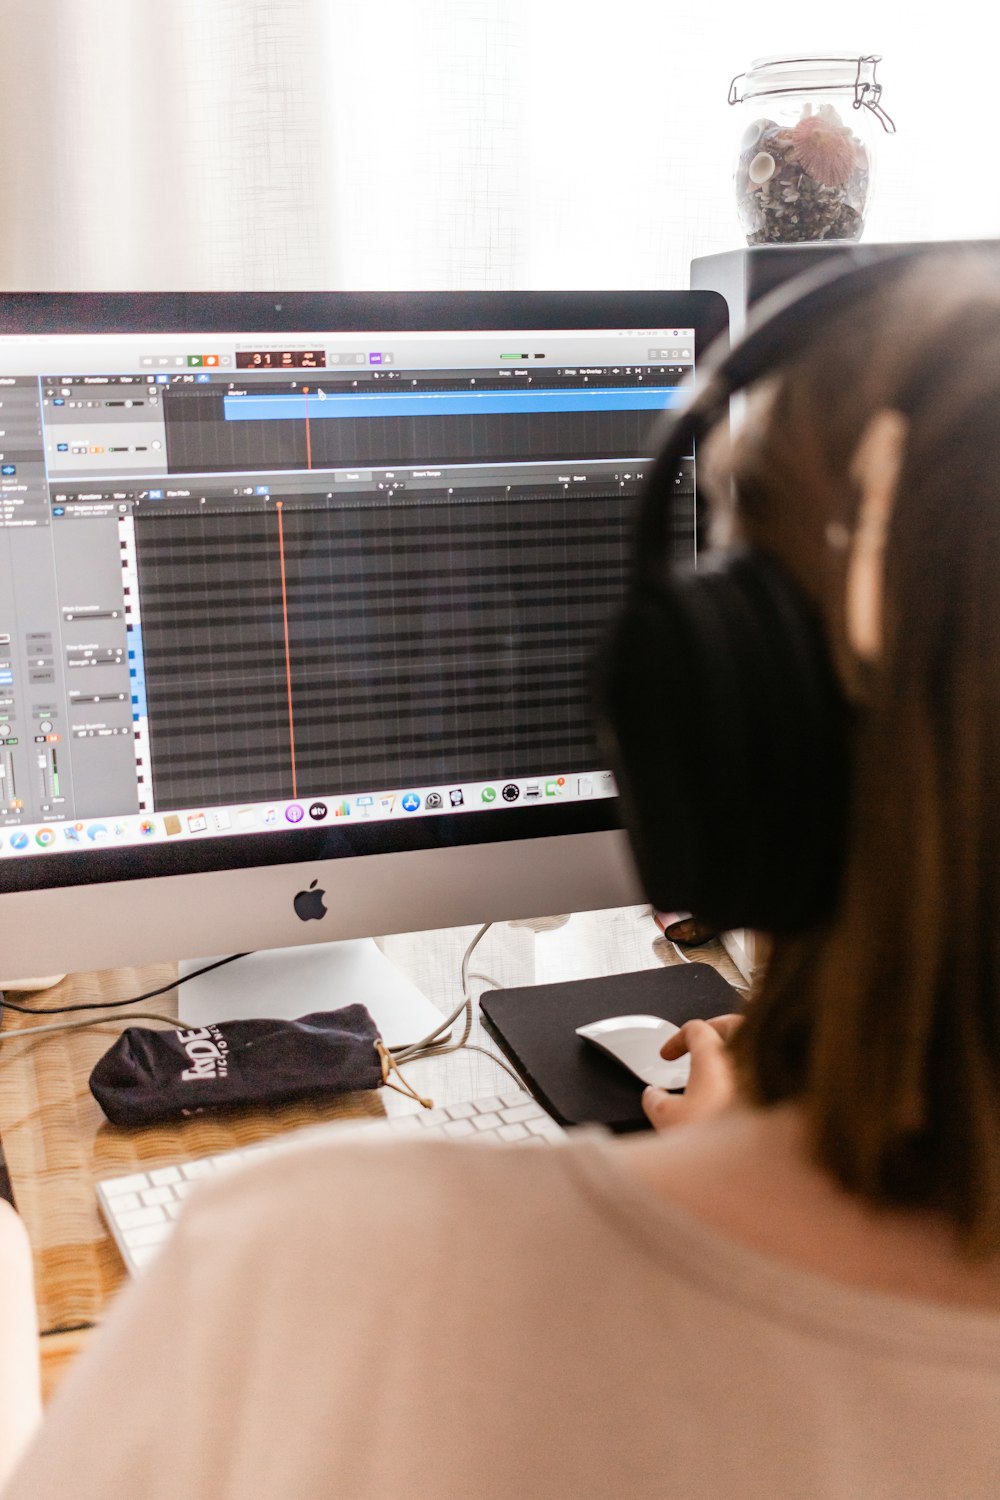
(727, 731)
(724, 719)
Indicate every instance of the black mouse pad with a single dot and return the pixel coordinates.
(577, 1084)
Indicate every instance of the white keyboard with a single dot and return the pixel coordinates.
(140, 1208)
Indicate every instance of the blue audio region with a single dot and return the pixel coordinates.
(318, 406)
(137, 673)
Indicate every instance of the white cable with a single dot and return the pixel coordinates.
(134, 1015)
(494, 984)
(429, 1046)
(468, 954)
(474, 1047)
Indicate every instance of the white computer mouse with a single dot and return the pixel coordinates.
(635, 1042)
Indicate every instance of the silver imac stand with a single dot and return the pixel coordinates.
(285, 983)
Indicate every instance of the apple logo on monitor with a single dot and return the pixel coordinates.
(309, 904)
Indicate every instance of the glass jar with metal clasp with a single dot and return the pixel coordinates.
(806, 161)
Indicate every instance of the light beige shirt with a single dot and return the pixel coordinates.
(431, 1321)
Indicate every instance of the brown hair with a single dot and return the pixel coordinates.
(885, 1024)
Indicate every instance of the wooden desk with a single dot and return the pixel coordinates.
(58, 1143)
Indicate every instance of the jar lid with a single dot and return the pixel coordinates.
(821, 72)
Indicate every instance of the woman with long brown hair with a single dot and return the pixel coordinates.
(797, 1294)
(870, 470)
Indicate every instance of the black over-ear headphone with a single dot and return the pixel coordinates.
(720, 709)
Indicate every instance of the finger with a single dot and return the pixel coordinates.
(675, 1046)
(680, 1043)
(727, 1026)
(703, 1037)
(662, 1109)
(710, 1059)
(711, 1082)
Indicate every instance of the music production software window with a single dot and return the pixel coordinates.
(319, 569)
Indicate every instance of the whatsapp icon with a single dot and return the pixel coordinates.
(489, 794)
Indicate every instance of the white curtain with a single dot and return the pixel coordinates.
(439, 143)
(175, 145)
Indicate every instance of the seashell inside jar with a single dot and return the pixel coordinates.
(806, 161)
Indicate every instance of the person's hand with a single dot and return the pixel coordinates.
(711, 1085)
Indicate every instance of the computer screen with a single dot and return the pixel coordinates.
(312, 585)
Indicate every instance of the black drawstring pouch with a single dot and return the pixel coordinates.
(148, 1076)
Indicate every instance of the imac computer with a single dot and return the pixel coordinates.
(298, 600)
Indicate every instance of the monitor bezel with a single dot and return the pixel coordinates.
(28, 313)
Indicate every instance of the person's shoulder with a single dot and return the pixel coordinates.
(371, 1185)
